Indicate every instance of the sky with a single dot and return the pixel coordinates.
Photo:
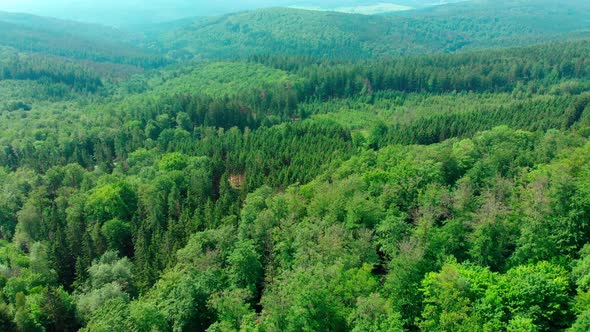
(129, 11)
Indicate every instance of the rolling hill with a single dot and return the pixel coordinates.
(296, 32)
(439, 29)
(133, 12)
(36, 34)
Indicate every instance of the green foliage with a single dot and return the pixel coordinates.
(301, 189)
(582, 322)
(110, 317)
(74, 40)
(6, 318)
(173, 162)
(91, 301)
(292, 304)
(116, 200)
(463, 297)
(375, 314)
(232, 310)
(223, 78)
(539, 292)
(118, 235)
(109, 279)
(279, 31)
(245, 267)
(108, 269)
(449, 297)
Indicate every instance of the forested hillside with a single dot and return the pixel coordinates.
(75, 40)
(439, 29)
(128, 14)
(302, 187)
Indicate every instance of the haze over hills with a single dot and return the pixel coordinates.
(131, 13)
(62, 26)
(30, 33)
(438, 29)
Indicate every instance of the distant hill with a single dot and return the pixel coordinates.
(296, 32)
(371, 7)
(517, 19)
(36, 34)
(513, 22)
(130, 13)
(439, 29)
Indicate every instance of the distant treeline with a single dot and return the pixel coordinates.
(48, 70)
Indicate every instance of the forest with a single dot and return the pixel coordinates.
(252, 187)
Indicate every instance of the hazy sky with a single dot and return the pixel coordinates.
(118, 11)
(38, 5)
(223, 5)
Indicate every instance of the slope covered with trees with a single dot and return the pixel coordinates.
(130, 212)
(286, 192)
(75, 40)
(441, 29)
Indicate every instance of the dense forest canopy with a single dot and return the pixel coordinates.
(292, 170)
(440, 29)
